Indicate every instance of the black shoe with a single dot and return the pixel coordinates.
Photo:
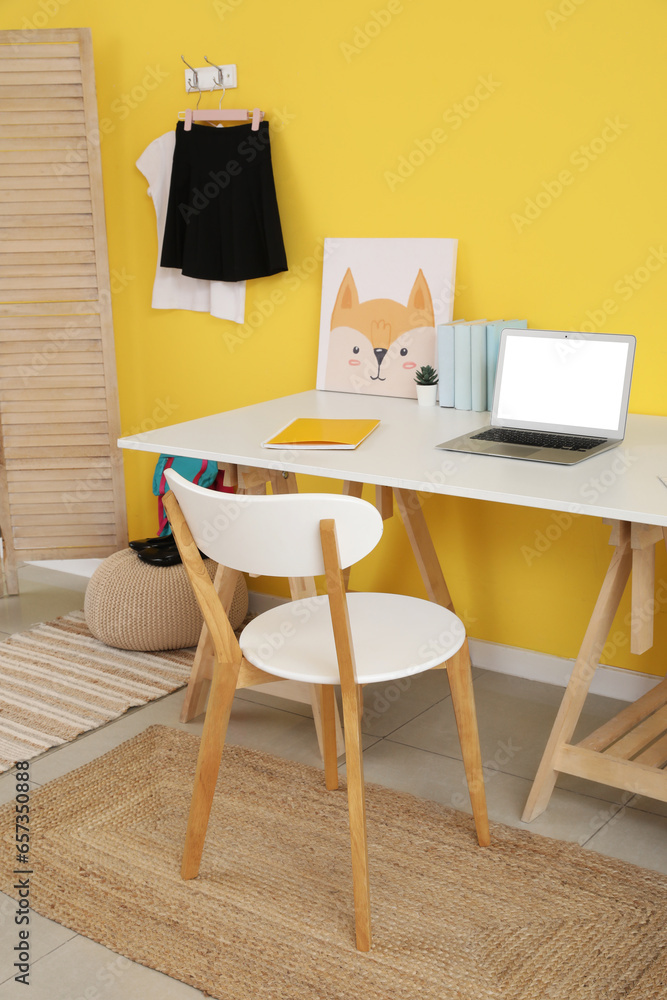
(164, 555)
(145, 543)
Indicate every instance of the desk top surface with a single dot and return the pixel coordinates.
(621, 483)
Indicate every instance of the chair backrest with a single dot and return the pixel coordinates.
(275, 535)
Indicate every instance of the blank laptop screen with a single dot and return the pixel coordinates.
(569, 382)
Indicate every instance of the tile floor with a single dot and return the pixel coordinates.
(410, 744)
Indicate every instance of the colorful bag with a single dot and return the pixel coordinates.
(203, 472)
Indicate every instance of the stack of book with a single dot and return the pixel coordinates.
(467, 359)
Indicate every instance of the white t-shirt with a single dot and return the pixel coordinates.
(173, 290)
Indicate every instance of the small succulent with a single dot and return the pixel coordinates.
(426, 376)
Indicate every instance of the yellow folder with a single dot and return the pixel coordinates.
(323, 434)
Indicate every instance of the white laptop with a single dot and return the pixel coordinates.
(559, 397)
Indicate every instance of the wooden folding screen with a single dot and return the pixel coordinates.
(61, 479)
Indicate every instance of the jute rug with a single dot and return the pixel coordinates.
(270, 915)
(57, 681)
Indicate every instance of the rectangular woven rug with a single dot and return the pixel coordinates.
(270, 915)
(57, 681)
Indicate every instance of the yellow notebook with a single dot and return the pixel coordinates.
(322, 434)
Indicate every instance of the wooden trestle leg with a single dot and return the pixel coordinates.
(586, 664)
(412, 515)
(629, 751)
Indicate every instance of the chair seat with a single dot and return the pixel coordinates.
(393, 636)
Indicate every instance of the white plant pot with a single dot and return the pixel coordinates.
(426, 394)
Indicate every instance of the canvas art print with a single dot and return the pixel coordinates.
(382, 300)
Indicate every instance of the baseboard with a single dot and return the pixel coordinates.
(69, 574)
(612, 682)
(258, 603)
(75, 567)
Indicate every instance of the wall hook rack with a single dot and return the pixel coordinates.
(209, 77)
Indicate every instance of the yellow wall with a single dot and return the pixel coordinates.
(351, 88)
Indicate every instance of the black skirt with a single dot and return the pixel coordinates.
(222, 217)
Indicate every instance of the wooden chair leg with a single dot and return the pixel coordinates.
(351, 692)
(203, 666)
(208, 764)
(357, 808)
(329, 747)
(463, 700)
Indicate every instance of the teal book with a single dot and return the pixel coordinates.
(478, 366)
(463, 365)
(493, 331)
(445, 348)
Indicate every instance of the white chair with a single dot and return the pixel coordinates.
(351, 639)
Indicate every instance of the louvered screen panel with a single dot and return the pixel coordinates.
(61, 480)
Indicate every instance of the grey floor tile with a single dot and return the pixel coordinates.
(274, 701)
(45, 936)
(284, 733)
(387, 706)
(37, 602)
(80, 968)
(265, 727)
(515, 717)
(570, 816)
(645, 804)
(391, 704)
(636, 836)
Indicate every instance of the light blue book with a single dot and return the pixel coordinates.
(478, 366)
(463, 365)
(493, 331)
(445, 351)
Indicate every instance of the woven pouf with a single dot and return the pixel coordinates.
(132, 605)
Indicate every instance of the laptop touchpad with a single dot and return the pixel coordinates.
(509, 450)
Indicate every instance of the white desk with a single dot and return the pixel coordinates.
(401, 453)
(621, 485)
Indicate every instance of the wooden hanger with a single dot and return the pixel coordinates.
(222, 114)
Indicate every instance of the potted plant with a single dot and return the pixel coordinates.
(427, 385)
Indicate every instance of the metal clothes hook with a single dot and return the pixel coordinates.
(220, 81)
(195, 77)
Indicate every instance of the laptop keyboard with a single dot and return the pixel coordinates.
(539, 439)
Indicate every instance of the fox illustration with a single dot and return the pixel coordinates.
(376, 346)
